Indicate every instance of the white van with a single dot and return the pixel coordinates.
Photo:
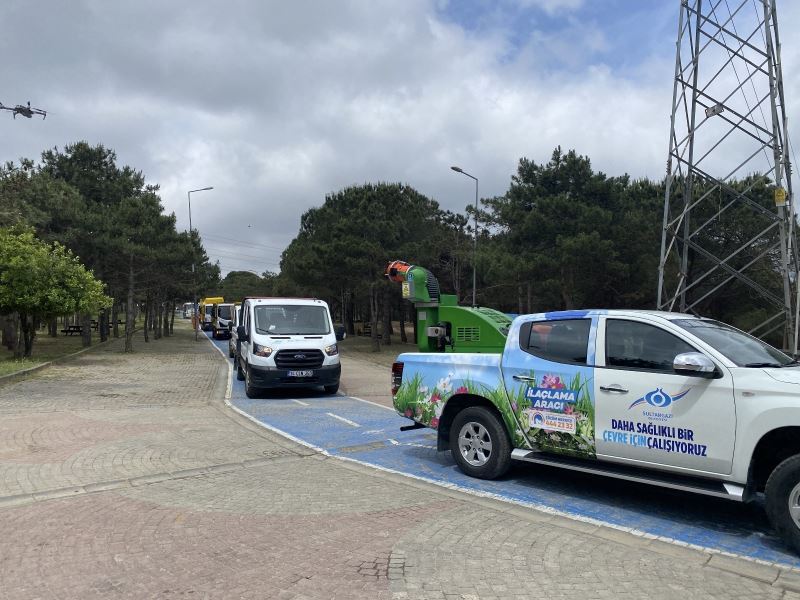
(223, 319)
(287, 342)
(233, 341)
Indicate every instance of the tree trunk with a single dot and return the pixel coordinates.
(158, 312)
(172, 318)
(403, 336)
(387, 315)
(530, 298)
(129, 311)
(10, 331)
(519, 299)
(52, 327)
(18, 335)
(114, 319)
(86, 329)
(102, 324)
(350, 319)
(25, 339)
(373, 314)
(147, 311)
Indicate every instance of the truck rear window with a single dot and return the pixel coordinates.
(564, 341)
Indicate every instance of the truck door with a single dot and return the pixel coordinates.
(548, 380)
(648, 413)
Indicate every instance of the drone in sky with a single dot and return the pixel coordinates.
(24, 110)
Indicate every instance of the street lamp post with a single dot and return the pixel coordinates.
(194, 276)
(475, 237)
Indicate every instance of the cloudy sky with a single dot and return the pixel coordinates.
(276, 104)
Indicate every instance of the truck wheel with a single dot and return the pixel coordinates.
(479, 443)
(783, 500)
(248, 384)
(239, 372)
(332, 389)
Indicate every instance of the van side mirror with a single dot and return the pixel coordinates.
(241, 333)
(694, 363)
(340, 332)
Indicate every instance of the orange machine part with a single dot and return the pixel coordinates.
(396, 271)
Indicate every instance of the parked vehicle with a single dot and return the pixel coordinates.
(287, 342)
(206, 312)
(222, 321)
(233, 340)
(187, 310)
(667, 399)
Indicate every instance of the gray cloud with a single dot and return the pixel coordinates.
(276, 104)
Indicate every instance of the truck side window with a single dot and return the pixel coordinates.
(562, 341)
(635, 345)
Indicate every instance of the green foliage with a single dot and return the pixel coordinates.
(44, 280)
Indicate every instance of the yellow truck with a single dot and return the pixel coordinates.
(207, 311)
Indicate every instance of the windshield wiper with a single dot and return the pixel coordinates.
(792, 363)
(763, 364)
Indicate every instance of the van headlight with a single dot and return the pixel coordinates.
(260, 350)
(332, 350)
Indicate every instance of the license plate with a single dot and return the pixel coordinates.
(300, 373)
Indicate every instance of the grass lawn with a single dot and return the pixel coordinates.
(45, 348)
(361, 347)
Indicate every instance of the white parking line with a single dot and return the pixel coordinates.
(301, 403)
(348, 421)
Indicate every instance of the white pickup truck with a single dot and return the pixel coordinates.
(662, 398)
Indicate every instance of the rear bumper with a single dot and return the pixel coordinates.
(272, 377)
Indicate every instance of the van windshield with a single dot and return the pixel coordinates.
(291, 319)
(224, 312)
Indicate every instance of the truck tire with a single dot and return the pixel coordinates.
(783, 500)
(479, 443)
(239, 372)
(332, 389)
(251, 391)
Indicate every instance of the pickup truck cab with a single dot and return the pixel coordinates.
(287, 342)
(663, 398)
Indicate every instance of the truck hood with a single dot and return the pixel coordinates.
(785, 374)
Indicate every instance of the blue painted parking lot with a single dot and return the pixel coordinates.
(355, 429)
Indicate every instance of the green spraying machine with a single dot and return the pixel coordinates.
(443, 325)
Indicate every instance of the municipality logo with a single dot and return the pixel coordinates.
(538, 419)
(658, 398)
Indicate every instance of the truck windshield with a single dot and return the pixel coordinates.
(291, 319)
(224, 312)
(743, 349)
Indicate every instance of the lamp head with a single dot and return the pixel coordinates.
(457, 169)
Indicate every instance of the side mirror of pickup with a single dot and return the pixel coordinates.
(694, 363)
(241, 333)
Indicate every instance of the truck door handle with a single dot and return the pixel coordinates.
(523, 378)
(614, 388)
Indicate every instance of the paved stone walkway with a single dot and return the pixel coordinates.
(125, 476)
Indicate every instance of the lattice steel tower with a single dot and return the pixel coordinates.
(728, 230)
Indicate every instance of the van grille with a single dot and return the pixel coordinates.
(299, 359)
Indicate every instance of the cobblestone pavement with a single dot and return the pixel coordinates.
(125, 476)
